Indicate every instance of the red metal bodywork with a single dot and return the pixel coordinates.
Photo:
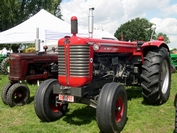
(105, 46)
(19, 65)
(153, 43)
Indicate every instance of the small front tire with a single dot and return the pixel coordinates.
(4, 92)
(45, 104)
(18, 95)
(111, 112)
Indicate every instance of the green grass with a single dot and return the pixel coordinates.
(80, 118)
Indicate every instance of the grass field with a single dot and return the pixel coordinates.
(82, 119)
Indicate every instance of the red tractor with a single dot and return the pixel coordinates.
(29, 68)
(94, 72)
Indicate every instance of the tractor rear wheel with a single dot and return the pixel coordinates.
(175, 104)
(156, 76)
(111, 112)
(173, 68)
(5, 64)
(4, 92)
(18, 95)
(45, 105)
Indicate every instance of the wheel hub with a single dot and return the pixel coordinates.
(119, 109)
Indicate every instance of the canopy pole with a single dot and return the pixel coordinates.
(37, 41)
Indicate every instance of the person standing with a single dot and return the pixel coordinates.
(4, 52)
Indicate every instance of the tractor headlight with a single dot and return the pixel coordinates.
(96, 46)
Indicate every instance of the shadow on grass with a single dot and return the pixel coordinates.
(87, 114)
(31, 99)
(134, 92)
(81, 116)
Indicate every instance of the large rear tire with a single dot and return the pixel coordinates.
(111, 112)
(173, 68)
(18, 95)
(156, 76)
(45, 102)
(5, 64)
(4, 92)
(175, 105)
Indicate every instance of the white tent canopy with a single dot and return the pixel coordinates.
(26, 31)
(51, 29)
(53, 36)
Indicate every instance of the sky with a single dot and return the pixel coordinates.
(110, 14)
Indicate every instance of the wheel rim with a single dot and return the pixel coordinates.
(54, 106)
(19, 96)
(119, 109)
(165, 76)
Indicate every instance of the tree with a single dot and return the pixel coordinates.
(166, 39)
(136, 29)
(14, 12)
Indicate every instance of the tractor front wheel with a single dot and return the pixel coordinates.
(156, 76)
(111, 112)
(4, 92)
(18, 95)
(46, 105)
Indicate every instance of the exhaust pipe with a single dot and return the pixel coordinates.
(90, 22)
(37, 41)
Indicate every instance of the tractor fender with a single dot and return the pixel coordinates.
(147, 46)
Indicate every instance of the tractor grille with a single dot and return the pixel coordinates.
(15, 67)
(78, 58)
